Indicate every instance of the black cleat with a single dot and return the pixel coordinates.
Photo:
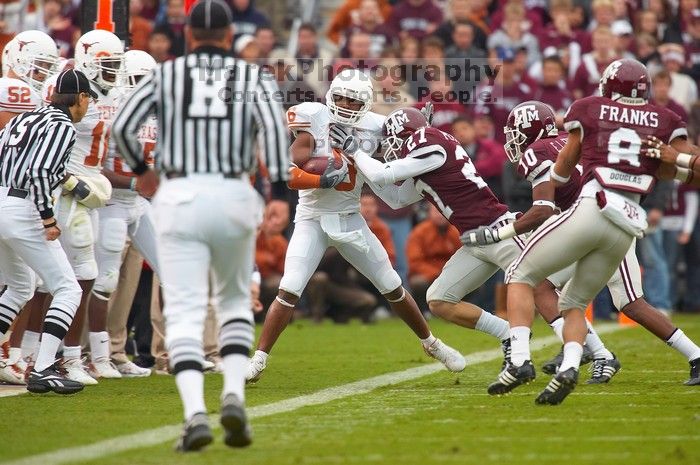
(552, 366)
(512, 377)
(603, 370)
(52, 380)
(505, 347)
(235, 422)
(196, 434)
(558, 388)
(694, 373)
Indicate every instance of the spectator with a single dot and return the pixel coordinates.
(647, 53)
(345, 17)
(683, 88)
(508, 91)
(553, 89)
(60, 28)
(512, 35)
(692, 45)
(174, 24)
(294, 90)
(603, 14)
(446, 105)
(561, 33)
(139, 27)
(655, 280)
(463, 42)
(415, 18)
(461, 11)
(265, 38)
(535, 12)
(270, 250)
(246, 48)
(677, 225)
(661, 87)
(369, 210)
(648, 23)
(622, 30)
(311, 57)
(487, 156)
(430, 245)
(391, 90)
(149, 10)
(159, 44)
(593, 64)
(246, 19)
(370, 22)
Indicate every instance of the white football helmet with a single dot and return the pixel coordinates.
(32, 56)
(354, 84)
(100, 56)
(137, 64)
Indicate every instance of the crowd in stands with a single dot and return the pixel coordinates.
(549, 50)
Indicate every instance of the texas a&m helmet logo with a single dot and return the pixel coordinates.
(525, 115)
(394, 124)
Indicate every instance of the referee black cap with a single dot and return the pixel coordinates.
(72, 81)
(210, 14)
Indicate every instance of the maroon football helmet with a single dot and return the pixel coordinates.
(626, 79)
(398, 127)
(528, 122)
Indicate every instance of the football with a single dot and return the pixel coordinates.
(317, 165)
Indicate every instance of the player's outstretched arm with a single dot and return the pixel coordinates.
(679, 159)
(567, 159)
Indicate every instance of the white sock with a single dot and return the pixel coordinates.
(190, 384)
(519, 345)
(596, 345)
(558, 328)
(683, 344)
(14, 355)
(428, 341)
(71, 352)
(572, 356)
(491, 324)
(46, 355)
(235, 367)
(99, 346)
(30, 344)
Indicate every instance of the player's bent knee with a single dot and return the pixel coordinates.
(441, 308)
(389, 282)
(106, 283)
(113, 235)
(286, 298)
(568, 303)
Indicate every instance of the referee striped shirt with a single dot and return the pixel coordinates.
(211, 109)
(34, 149)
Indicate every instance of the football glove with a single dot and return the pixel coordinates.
(79, 188)
(343, 139)
(427, 111)
(333, 176)
(482, 235)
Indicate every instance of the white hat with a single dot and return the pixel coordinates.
(621, 28)
(242, 42)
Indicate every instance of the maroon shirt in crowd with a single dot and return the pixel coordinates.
(555, 96)
(506, 99)
(414, 20)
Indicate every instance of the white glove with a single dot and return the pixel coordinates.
(427, 111)
(482, 235)
(343, 139)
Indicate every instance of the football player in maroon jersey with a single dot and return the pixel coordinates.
(596, 232)
(535, 149)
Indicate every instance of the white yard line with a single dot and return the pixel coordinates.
(156, 436)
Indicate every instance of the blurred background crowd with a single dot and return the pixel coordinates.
(549, 50)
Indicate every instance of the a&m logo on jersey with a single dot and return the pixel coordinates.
(395, 123)
(525, 115)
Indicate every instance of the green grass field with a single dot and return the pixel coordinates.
(645, 416)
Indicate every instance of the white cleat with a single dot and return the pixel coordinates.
(104, 368)
(132, 370)
(256, 366)
(11, 373)
(451, 358)
(76, 371)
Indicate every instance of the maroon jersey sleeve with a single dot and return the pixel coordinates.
(535, 163)
(671, 126)
(577, 117)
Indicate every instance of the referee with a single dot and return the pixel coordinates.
(211, 109)
(34, 149)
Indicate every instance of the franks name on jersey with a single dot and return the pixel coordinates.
(455, 188)
(631, 116)
(314, 118)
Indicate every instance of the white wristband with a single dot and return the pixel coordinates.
(545, 203)
(507, 231)
(560, 179)
(683, 160)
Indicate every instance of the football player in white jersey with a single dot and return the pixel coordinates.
(27, 60)
(99, 55)
(328, 215)
(127, 213)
